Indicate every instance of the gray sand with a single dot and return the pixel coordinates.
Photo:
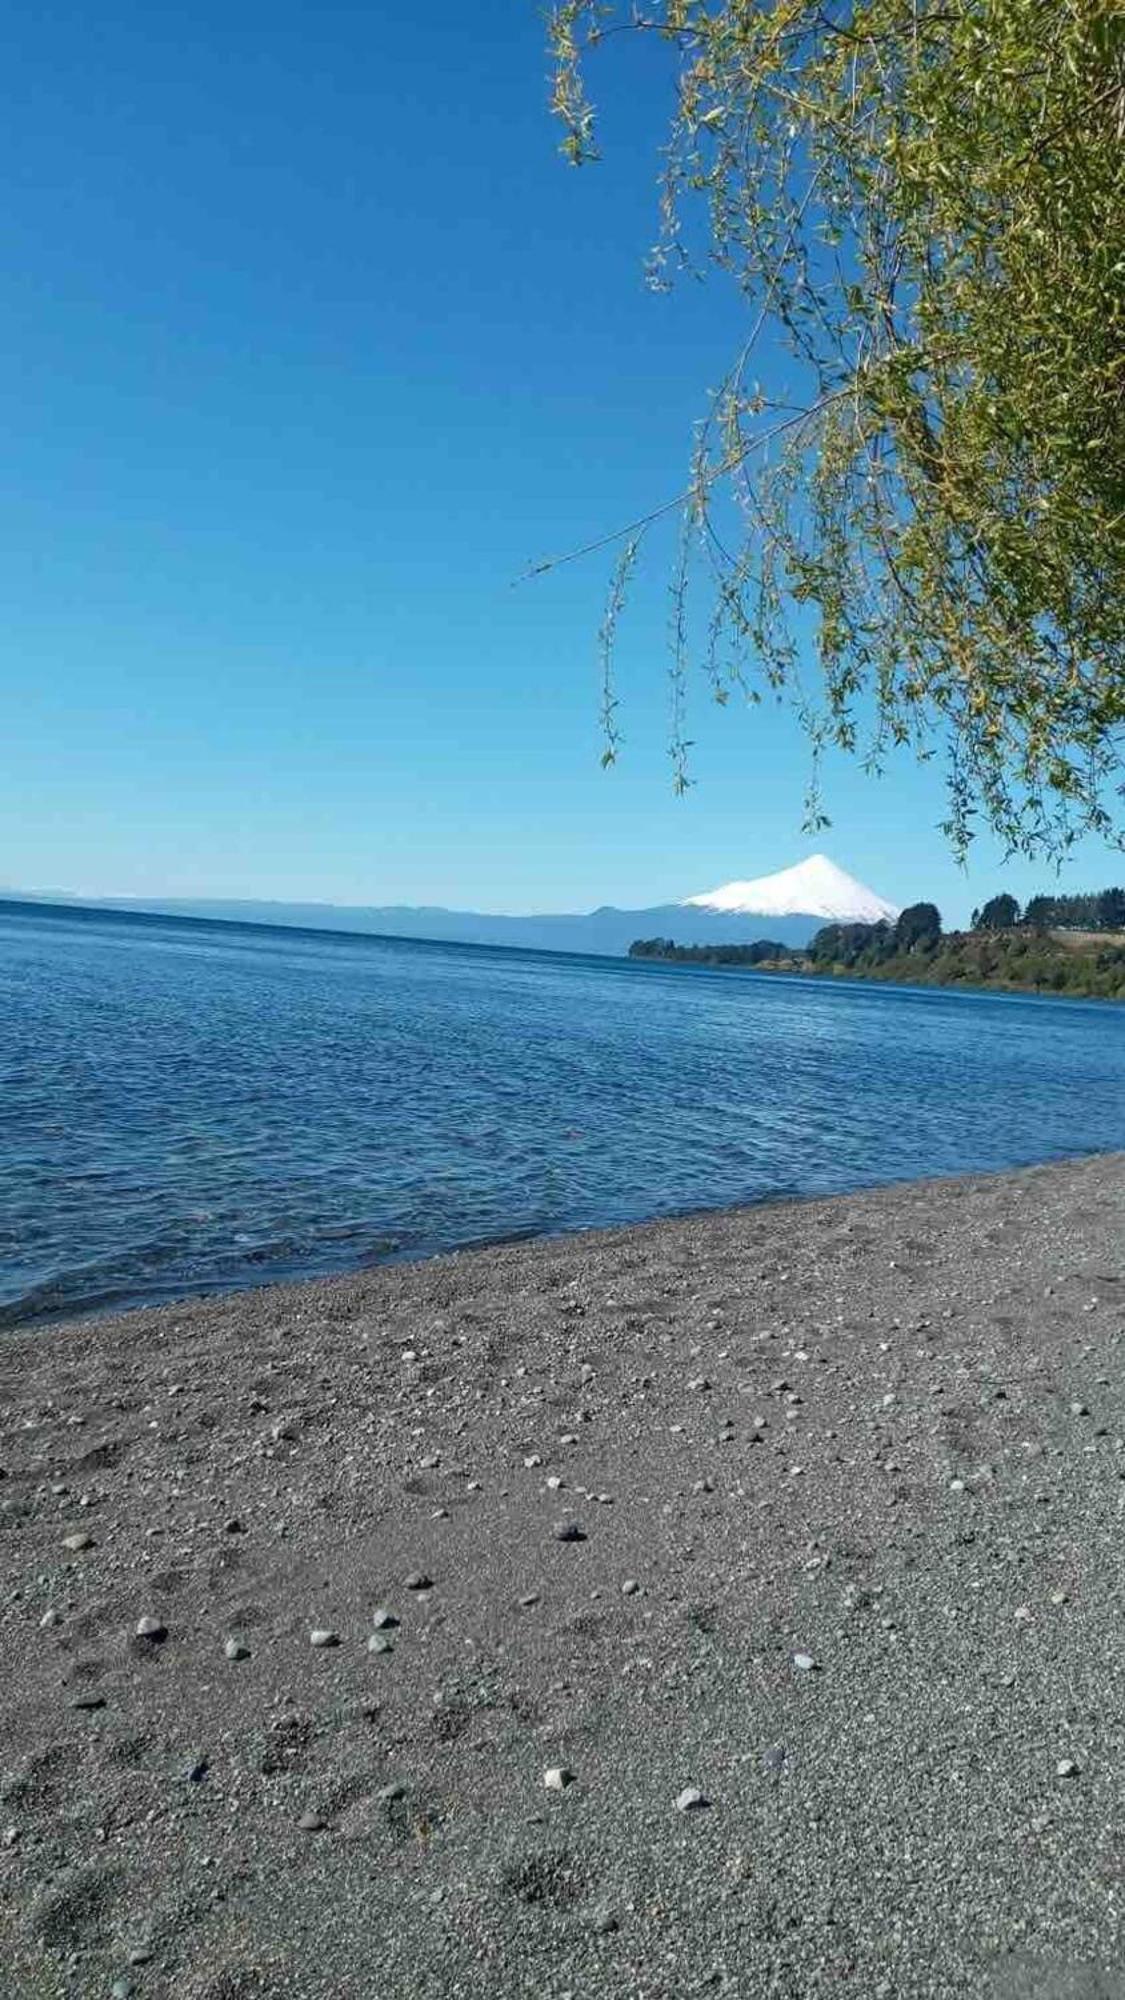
(883, 1433)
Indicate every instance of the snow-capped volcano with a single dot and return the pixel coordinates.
(814, 888)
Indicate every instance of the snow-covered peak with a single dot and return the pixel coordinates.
(814, 888)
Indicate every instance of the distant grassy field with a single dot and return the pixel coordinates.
(1089, 940)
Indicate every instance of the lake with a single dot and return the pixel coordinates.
(190, 1106)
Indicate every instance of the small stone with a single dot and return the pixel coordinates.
(235, 1650)
(233, 1526)
(804, 1663)
(88, 1702)
(382, 1619)
(569, 1531)
(324, 1637)
(605, 1923)
(388, 1795)
(773, 1759)
(140, 1955)
(1067, 1767)
(197, 1770)
(1079, 1410)
(11, 1835)
(77, 1542)
(526, 1602)
(691, 1799)
(121, 1988)
(50, 1620)
(311, 1822)
(558, 1778)
(555, 1483)
(418, 1580)
(532, 1461)
(379, 1643)
(151, 1628)
(630, 1587)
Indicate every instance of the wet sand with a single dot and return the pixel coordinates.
(842, 1485)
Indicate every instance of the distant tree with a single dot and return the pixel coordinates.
(826, 946)
(920, 202)
(1040, 913)
(920, 924)
(1074, 913)
(1000, 913)
(1111, 910)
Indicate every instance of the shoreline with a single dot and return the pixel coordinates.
(883, 1431)
(176, 1299)
(848, 976)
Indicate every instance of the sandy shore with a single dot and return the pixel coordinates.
(883, 1434)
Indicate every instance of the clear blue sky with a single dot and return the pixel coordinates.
(310, 344)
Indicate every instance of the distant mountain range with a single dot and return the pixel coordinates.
(789, 907)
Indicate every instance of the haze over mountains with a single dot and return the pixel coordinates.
(789, 907)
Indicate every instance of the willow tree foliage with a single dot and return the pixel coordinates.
(923, 204)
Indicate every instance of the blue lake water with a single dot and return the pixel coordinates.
(191, 1106)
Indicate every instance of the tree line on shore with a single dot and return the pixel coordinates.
(1103, 910)
(1005, 948)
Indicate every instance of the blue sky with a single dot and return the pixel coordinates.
(311, 344)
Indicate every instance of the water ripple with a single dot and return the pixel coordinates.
(185, 1107)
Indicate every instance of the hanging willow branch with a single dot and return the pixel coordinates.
(923, 203)
(607, 635)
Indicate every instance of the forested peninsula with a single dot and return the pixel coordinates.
(1070, 945)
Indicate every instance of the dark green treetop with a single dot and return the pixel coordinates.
(1000, 913)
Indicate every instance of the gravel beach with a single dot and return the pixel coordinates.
(730, 1605)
